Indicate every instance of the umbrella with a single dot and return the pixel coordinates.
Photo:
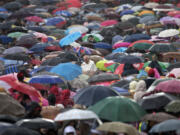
(12, 6)
(16, 34)
(19, 131)
(102, 45)
(176, 72)
(118, 127)
(109, 23)
(96, 37)
(156, 101)
(147, 19)
(8, 118)
(141, 41)
(151, 5)
(15, 49)
(121, 84)
(76, 114)
(121, 91)
(67, 40)
(8, 102)
(55, 61)
(160, 48)
(129, 59)
(103, 77)
(67, 70)
(173, 106)
(55, 21)
(173, 65)
(64, 13)
(114, 56)
(120, 44)
(166, 126)
(92, 94)
(95, 6)
(17, 56)
(39, 47)
(135, 37)
(46, 79)
(77, 28)
(168, 33)
(5, 39)
(34, 19)
(118, 109)
(20, 14)
(170, 86)
(36, 123)
(121, 50)
(158, 117)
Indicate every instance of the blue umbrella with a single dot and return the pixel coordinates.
(54, 21)
(147, 19)
(39, 47)
(102, 45)
(125, 12)
(121, 49)
(121, 91)
(67, 40)
(135, 37)
(46, 79)
(116, 39)
(40, 69)
(3, 9)
(67, 70)
(64, 13)
(5, 39)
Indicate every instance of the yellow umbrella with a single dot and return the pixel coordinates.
(100, 65)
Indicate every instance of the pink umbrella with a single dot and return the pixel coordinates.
(176, 72)
(122, 44)
(173, 13)
(34, 19)
(170, 86)
(109, 23)
(177, 16)
(40, 35)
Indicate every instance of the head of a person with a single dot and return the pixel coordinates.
(86, 59)
(90, 38)
(69, 130)
(151, 72)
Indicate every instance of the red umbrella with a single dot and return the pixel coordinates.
(70, 3)
(59, 9)
(53, 48)
(19, 86)
(173, 13)
(141, 41)
(34, 19)
(109, 23)
(39, 86)
(170, 86)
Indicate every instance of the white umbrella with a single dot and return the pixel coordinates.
(151, 5)
(127, 17)
(76, 114)
(77, 28)
(168, 33)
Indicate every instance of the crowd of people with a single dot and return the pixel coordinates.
(89, 67)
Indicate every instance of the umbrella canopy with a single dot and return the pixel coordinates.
(118, 109)
(27, 40)
(34, 19)
(8, 102)
(36, 123)
(67, 40)
(173, 106)
(118, 127)
(46, 79)
(96, 37)
(55, 21)
(173, 65)
(12, 6)
(129, 59)
(160, 48)
(92, 94)
(15, 49)
(77, 28)
(176, 72)
(165, 126)
(17, 56)
(64, 13)
(103, 77)
(156, 101)
(158, 117)
(67, 70)
(135, 37)
(19, 131)
(168, 33)
(16, 34)
(170, 86)
(109, 23)
(76, 114)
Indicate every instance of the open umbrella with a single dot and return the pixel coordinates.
(77, 28)
(67, 40)
(34, 19)
(160, 48)
(166, 126)
(92, 94)
(118, 109)
(156, 101)
(173, 65)
(17, 56)
(158, 117)
(103, 77)
(118, 127)
(67, 70)
(176, 72)
(64, 13)
(55, 21)
(12, 6)
(16, 34)
(168, 33)
(173, 106)
(8, 102)
(109, 23)
(135, 37)
(129, 59)
(15, 49)
(36, 123)
(96, 37)
(46, 79)
(76, 114)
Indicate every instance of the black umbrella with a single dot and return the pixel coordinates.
(122, 84)
(129, 59)
(20, 14)
(17, 29)
(161, 48)
(37, 123)
(68, 55)
(54, 61)
(173, 65)
(38, 29)
(12, 6)
(156, 101)
(113, 56)
(92, 94)
(4, 126)
(17, 56)
(103, 77)
(19, 131)
(8, 118)
(95, 6)
(6, 25)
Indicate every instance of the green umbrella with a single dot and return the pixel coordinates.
(96, 37)
(118, 109)
(16, 34)
(142, 46)
(164, 65)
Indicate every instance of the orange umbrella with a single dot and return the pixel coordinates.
(146, 12)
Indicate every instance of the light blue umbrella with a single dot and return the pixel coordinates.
(67, 40)
(67, 70)
(121, 49)
(64, 13)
